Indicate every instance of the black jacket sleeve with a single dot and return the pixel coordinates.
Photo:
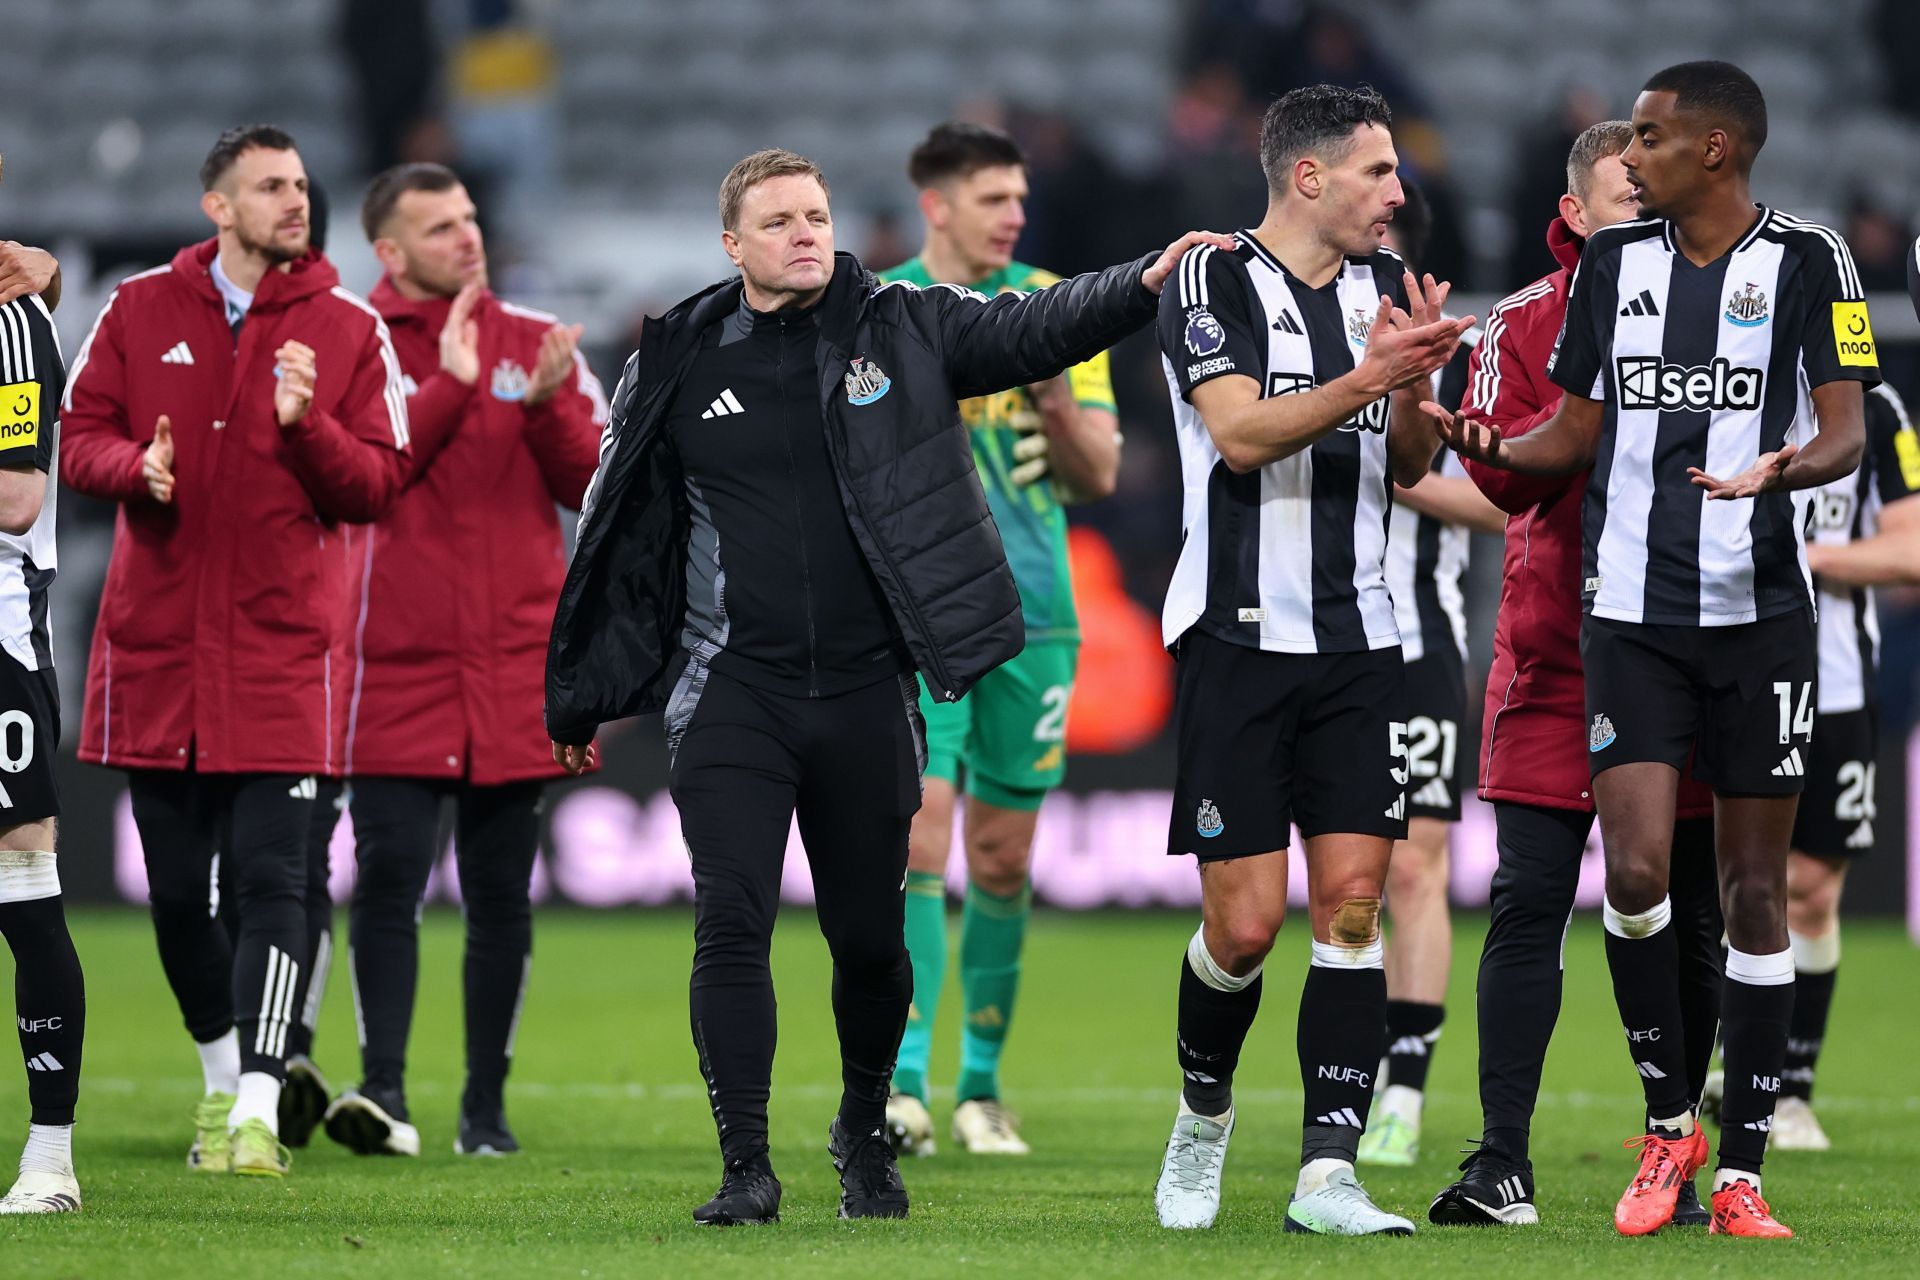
(992, 344)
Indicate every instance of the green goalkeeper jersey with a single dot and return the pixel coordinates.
(1032, 524)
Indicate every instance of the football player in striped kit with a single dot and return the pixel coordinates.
(1293, 362)
(1713, 357)
(50, 1003)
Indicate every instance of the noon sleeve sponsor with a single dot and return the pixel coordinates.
(19, 416)
(1853, 335)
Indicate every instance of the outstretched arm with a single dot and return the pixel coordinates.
(1560, 446)
(991, 344)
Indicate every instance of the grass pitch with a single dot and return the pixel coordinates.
(619, 1146)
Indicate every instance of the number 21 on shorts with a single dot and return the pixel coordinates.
(1795, 719)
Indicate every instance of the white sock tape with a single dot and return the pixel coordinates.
(1815, 955)
(1331, 955)
(1642, 925)
(1775, 970)
(27, 875)
(1204, 967)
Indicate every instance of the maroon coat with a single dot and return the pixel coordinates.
(222, 636)
(456, 584)
(1533, 741)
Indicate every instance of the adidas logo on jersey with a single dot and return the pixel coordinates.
(1434, 795)
(1287, 324)
(44, 1062)
(1862, 837)
(724, 405)
(1791, 767)
(1344, 1116)
(1641, 306)
(178, 353)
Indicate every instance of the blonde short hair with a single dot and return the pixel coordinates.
(756, 169)
(1596, 143)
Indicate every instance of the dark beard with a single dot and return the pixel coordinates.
(275, 255)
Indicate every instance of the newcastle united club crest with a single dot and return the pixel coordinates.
(866, 381)
(1748, 307)
(1207, 820)
(509, 381)
(1359, 325)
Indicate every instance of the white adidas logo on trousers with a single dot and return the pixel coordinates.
(1791, 766)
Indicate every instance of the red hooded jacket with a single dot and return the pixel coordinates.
(222, 637)
(456, 585)
(1533, 743)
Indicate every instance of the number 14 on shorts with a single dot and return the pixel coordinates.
(1796, 714)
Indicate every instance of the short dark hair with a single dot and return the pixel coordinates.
(235, 142)
(1316, 120)
(1595, 143)
(384, 192)
(1721, 92)
(1413, 225)
(958, 150)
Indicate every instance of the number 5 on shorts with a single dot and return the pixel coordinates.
(1397, 749)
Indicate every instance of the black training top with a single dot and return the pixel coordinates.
(778, 593)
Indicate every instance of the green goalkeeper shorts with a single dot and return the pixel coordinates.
(1009, 733)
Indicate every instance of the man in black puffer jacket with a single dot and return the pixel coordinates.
(785, 526)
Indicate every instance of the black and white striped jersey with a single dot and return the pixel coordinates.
(33, 378)
(1704, 367)
(1847, 510)
(1288, 558)
(1426, 557)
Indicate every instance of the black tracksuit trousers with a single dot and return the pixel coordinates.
(745, 762)
(1520, 964)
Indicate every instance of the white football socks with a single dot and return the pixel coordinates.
(220, 1063)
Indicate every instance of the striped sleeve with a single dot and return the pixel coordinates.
(31, 384)
(393, 395)
(1836, 338)
(1577, 362)
(1206, 326)
(1497, 353)
(1892, 445)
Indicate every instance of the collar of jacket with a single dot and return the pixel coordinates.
(309, 274)
(679, 329)
(1564, 243)
(430, 313)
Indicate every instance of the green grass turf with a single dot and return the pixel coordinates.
(606, 1099)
